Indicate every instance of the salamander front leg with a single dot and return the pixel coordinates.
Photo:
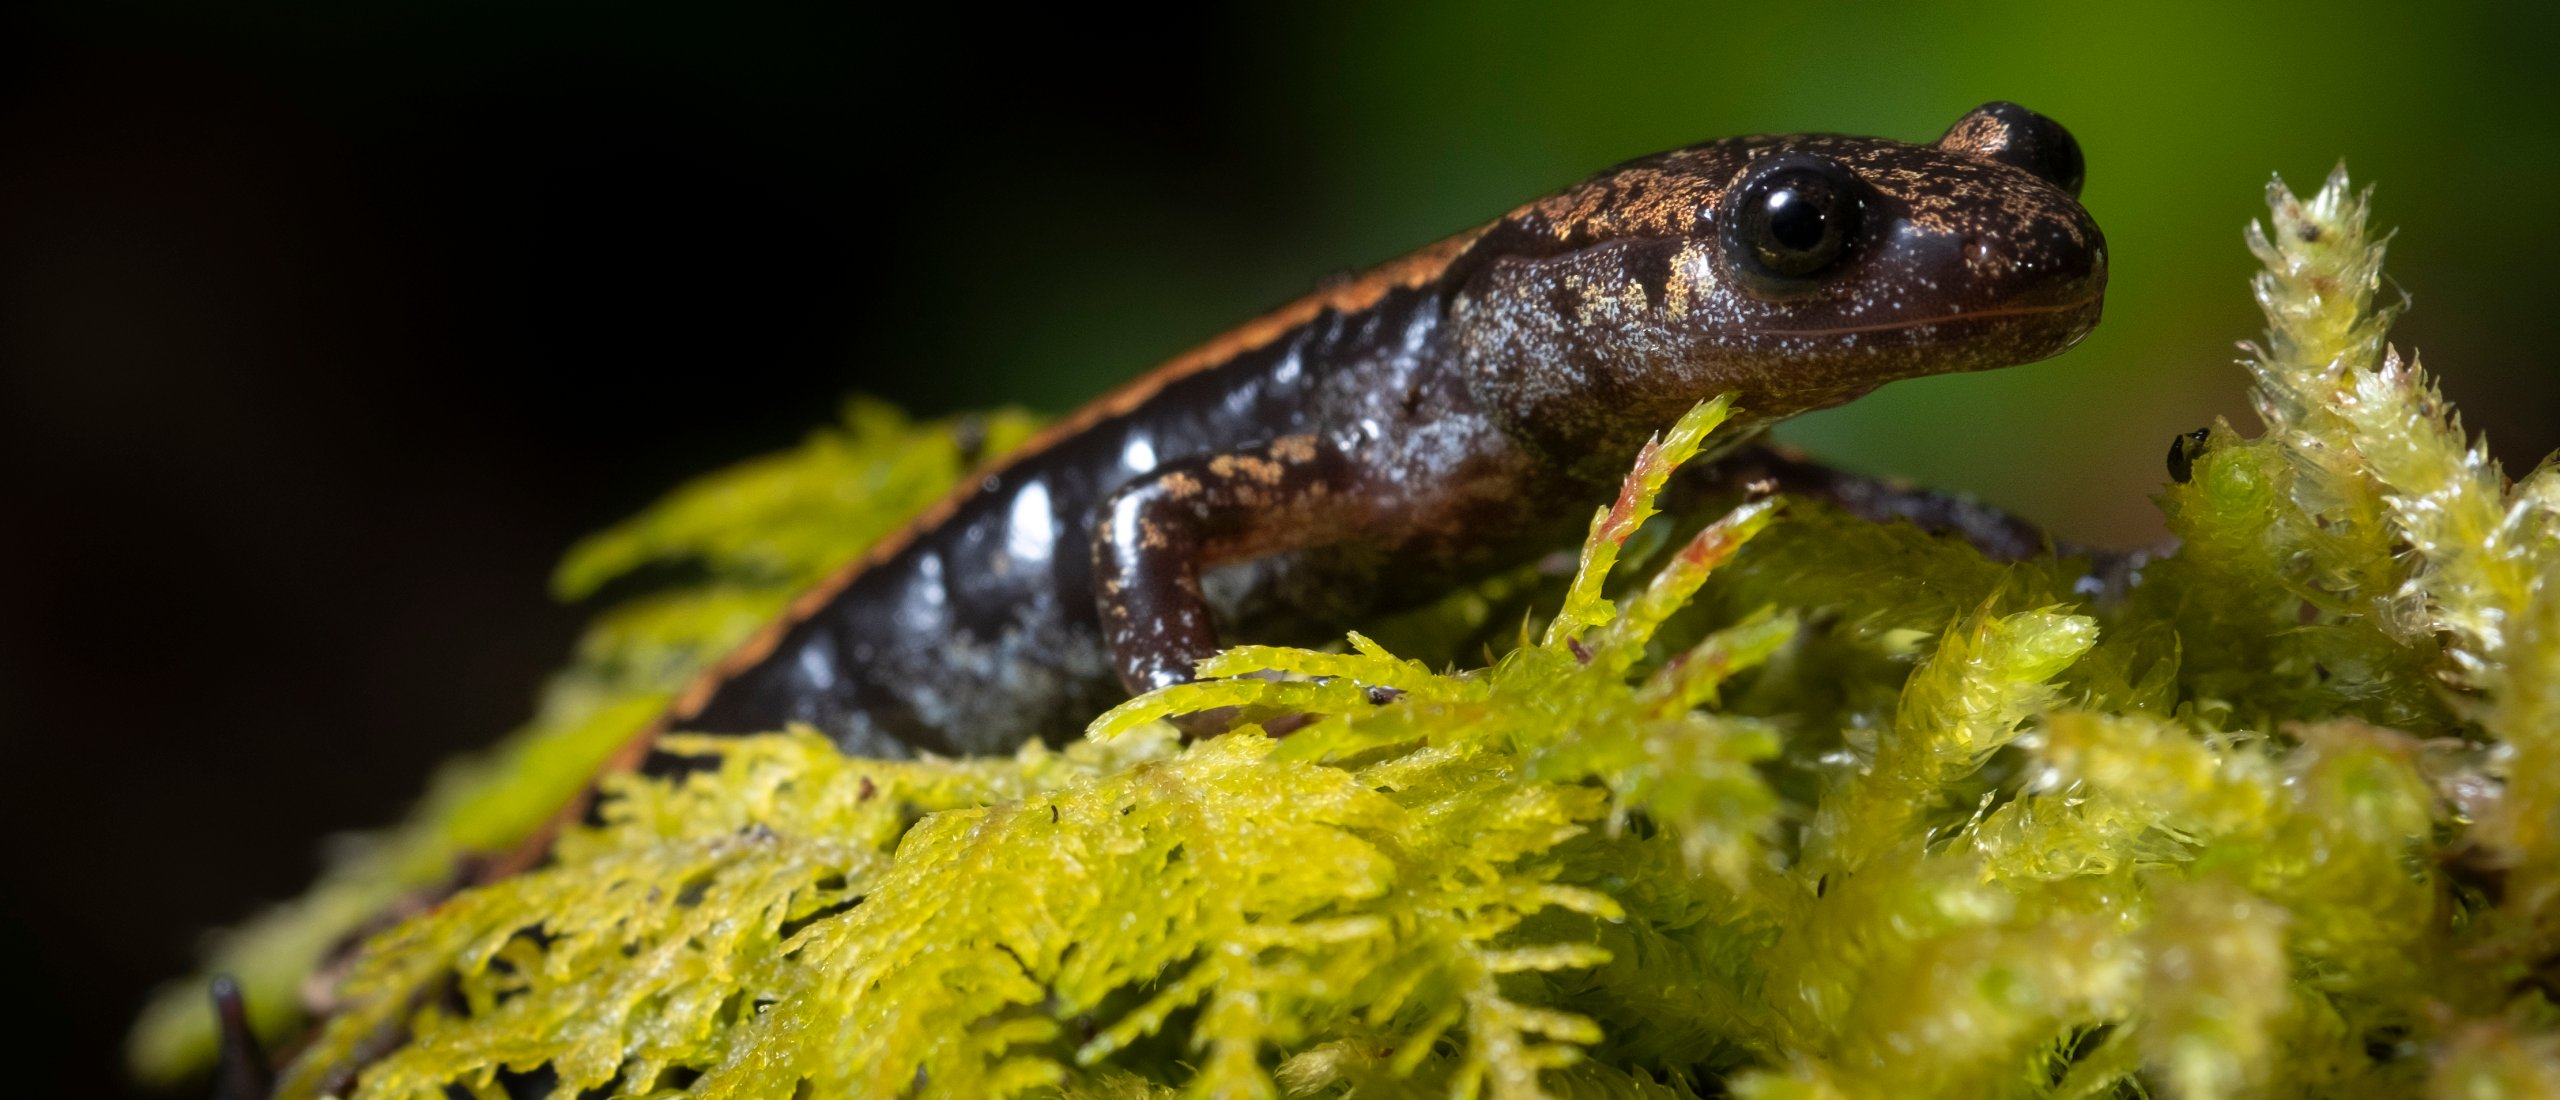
(1158, 535)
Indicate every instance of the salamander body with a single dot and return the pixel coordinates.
(1441, 417)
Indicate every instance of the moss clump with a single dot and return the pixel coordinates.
(759, 533)
(1801, 807)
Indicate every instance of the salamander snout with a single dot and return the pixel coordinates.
(2033, 259)
(2029, 247)
(2043, 256)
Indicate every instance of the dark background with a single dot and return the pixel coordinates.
(324, 328)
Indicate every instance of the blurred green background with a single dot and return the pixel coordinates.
(325, 327)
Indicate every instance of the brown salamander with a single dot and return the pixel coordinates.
(1440, 418)
(1437, 419)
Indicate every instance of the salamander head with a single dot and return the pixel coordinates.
(1800, 271)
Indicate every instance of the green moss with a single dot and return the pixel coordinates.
(762, 531)
(1783, 804)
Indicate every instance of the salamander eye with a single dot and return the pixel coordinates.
(1793, 218)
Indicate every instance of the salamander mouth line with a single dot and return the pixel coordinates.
(1952, 318)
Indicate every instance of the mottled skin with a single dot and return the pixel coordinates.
(1445, 416)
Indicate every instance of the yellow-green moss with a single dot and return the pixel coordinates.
(764, 530)
(1784, 804)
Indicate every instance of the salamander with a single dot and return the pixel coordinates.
(1438, 419)
(1434, 420)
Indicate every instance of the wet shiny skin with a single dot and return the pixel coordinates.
(1454, 414)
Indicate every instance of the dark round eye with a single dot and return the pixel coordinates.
(1794, 219)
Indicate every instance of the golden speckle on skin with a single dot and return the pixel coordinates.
(1603, 301)
(1180, 486)
(1979, 134)
(1693, 276)
(1260, 470)
(1294, 448)
(1636, 201)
